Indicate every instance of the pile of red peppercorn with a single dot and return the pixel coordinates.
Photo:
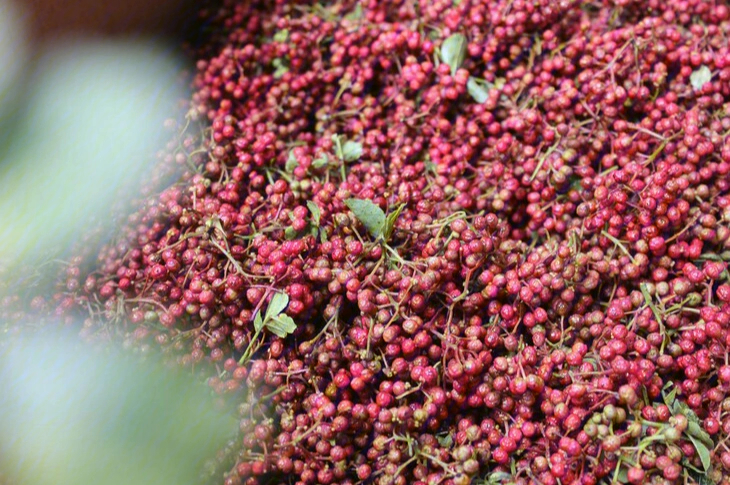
(443, 242)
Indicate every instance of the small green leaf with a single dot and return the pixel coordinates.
(351, 151)
(702, 451)
(696, 431)
(479, 92)
(687, 411)
(316, 213)
(277, 305)
(670, 397)
(497, 478)
(623, 474)
(258, 323)
(453, 51)
(281, 36)
(319, 162)
(290, 233)
(445, 440)
(367, 212)
(281, 325)
(291, 162)
(700, 77)
(390, 222)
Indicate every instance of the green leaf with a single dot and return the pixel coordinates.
(623, 474)
(319, 162)
(277, 305)
(389, 224)
(687, 411)
(367, 212)
(290, 233)
(496, 478)
(258, 323)
(477, 90)
(445, 440)
(700, 77)
(351, 151)
(281, 325)
(702, 451)
(281, 36)
(453, 51)
(702, 478)
(670, 398)
(316, 213)
(696, 431)
(291, 162)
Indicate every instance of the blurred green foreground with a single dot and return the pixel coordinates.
(70, 415)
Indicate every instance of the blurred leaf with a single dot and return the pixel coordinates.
(100, 108)
(77, 416)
